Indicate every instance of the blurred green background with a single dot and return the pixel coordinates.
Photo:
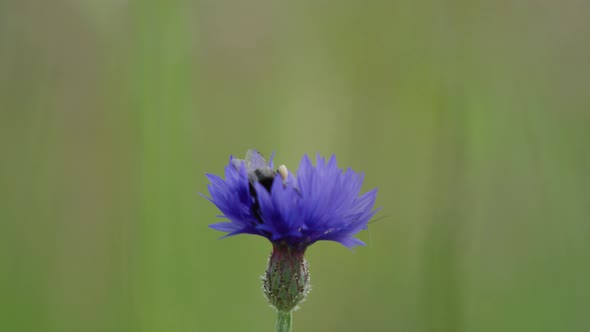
(472, 118)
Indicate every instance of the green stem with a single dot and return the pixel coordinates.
(283, 322)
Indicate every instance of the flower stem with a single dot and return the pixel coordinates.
(283, 321)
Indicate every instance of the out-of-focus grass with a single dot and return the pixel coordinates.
(471, 118)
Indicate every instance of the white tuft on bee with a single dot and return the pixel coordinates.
(283, 171)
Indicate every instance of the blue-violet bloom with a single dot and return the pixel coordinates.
(321, 202)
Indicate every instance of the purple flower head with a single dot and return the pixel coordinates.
(321, 202)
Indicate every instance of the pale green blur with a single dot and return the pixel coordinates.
(472, 118)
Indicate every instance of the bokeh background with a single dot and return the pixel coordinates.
(472, 118)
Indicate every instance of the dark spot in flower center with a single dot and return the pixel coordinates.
(265, 177)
